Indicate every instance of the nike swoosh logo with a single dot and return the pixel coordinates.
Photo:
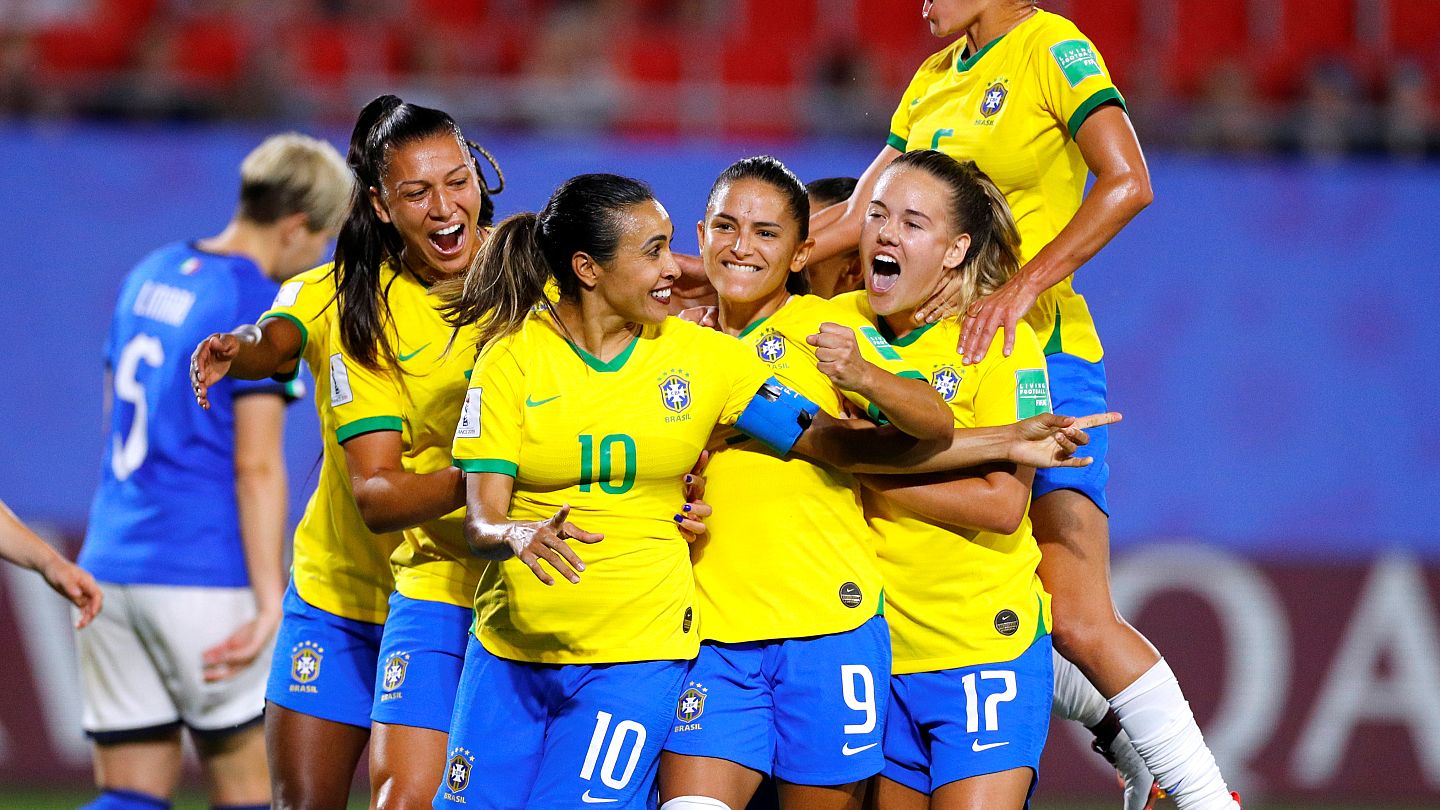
(850, 752)
(588, 799)
(405, 357)
(977, 747)
(530, 403)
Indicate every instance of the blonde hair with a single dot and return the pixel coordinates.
(292, 173)
(977, 207)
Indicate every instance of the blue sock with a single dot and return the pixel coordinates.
(127, 800)
(239, 807)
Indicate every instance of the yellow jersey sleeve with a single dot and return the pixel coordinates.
(488, 433)
(1015, 387)
(1073, 79)
(306, 301)
(364, 400)
(742, 371)
(874, 348)
(920, 85)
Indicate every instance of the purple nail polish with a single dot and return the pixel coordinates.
(679, 519)
(687, 507)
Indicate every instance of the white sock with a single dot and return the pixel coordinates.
(1154, 713)
(1075, 697)
(694, 803)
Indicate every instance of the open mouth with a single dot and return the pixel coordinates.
(884, 273)
(449, 241)
(662, 295)
(740, 268)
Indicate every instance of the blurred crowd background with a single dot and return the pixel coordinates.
(1322, 78)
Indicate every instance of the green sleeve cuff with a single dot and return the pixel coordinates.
(1107, 96)
(897, 142)
(488, 465)
(912, 375)
(876, 415)
(304, 340)
(369, 424)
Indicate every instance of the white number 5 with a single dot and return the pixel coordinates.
(127, 456)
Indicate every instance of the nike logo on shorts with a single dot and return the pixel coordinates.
(588, 799)
(977, 747)
(850, 752)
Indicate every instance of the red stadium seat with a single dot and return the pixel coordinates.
(210, 52)
(1415, 28)
(1114, 27)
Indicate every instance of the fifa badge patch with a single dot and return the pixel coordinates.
(288, 295)
(771, 347)
(305, 661)
(340, 393)
(993, 99)
(879, 343)
(457, 770)
(946, 381)
(395, 667)
(1076, 59)
(675, 391)
(469, 425)
(1032, 393)
(691, 704)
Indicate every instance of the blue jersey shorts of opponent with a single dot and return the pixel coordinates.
(421, 655)
(547, 735)
(1077, 388)
(324, 665)
(969, 721)
(810, 711)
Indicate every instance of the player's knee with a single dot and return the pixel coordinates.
(404, 790)
(694, 803)
(1083, 638)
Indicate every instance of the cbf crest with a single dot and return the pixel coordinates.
(395, 668)
(771, 346)
(675, 391)
(305, 661)
(458, 768)
(994, 99)
(690, 706)
(946, 381)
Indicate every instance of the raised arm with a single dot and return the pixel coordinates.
(391, 498)
(247, 352)
(836, 229)
(909, 403)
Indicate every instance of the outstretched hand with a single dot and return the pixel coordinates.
(545, 540)
(1051, 440)
(210, 363)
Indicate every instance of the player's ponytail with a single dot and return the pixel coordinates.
(366, 242)
(526, 252)
(977, 207)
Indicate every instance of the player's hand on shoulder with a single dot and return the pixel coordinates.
(75, 584)
(210, 362)
(1003, 308)
(837, 355)
(1051, 440)
(545, 540)
(705, 316)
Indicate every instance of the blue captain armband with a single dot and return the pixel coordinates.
(776, 416)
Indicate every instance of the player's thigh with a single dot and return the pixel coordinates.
(312, 760)
(891, 795)
(822, 797)
(722, 737)
(603, 745)
(406, 763)
(985, 718)
(831, 697)
(124, 697)
(1074, 540)
(1005, 790)
(234, 763)
(324, 665)
(500, 722)
(422, 654)
(148, 765)
(180, 623)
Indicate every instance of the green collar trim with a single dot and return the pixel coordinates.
(914, 335)
(615, 364)
(752, 327)
(964, 63)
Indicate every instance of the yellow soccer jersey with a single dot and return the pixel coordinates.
(956, 598)
(793, 556)
(1014, 108)
(422, 403)
(340, 566)
(613, 440)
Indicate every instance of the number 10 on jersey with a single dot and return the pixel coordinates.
(601, 455)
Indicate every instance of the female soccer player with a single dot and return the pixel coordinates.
(794, 644)
(969, 619)
(1022, 81)
(323, 683)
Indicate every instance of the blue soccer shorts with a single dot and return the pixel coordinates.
(1077, 388)
(969, 721)
(548, 735)
(810, 711)
(421, 656)
(324, 665)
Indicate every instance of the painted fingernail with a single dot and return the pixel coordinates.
(687, 508)
(689, 479)
(679, 519)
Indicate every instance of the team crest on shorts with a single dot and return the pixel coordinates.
(771, 346)
(305, 661)
(691, 704)
(946, 381)
(675, 391)
(458, 768)
(395, 667)
(993, 99)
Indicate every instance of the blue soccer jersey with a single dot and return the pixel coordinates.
(165, 512)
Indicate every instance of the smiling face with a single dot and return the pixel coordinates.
(750, 242)
(636, 281)
(432, 197)
(908, 241)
